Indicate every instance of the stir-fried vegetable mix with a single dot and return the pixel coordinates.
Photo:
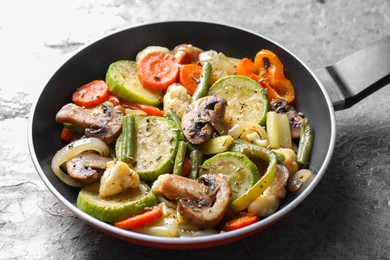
(184, 142)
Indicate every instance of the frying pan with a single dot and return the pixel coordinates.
(318, 95)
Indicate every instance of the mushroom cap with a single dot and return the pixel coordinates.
(203, 117)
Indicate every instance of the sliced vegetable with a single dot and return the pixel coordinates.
(150, 49)
(243, 219)
(73, 149)
(150, 110)
(158, 70)
(246, 67)
(248, 149)
(284, 131)
(67, 135)
(196, 159)
(251, 132)
(221, 65)
(247, 99)
(190, 77)
(117, 207)
(305, 142)
(204, 82)
(91, 94)
(140, 220)
(186, 167)
(157, 141)
(238, 170)
(256, 190)
(162, 227)
(272, 130)
(180, 157)
(115, 101)
(278, 129)
(271, 71)
(123, 82)
(217, 144)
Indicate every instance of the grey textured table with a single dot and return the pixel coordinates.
(346, 217)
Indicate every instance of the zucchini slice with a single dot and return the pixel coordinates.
(117, 207)
(122, 80)
(239, 171)
(157, 141)
(247, 99)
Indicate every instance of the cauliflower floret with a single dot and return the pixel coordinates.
(177, 99)
(116, 178)
(290, 159)
(267, 203)
(221, 65)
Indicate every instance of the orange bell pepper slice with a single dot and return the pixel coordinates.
(267, 61)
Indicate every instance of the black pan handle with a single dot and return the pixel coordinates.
(358, 75)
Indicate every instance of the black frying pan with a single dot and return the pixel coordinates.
(317, 95)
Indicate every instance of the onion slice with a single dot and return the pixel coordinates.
(245, 130)
(73, 149)
(281, 178)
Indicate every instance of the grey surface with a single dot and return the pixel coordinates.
(346, 217)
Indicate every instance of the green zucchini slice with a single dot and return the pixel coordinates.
(247, 99)
(157, 141)
(239, 171)
(122, 80)
(117, 207)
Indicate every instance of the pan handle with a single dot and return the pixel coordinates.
(355, 77)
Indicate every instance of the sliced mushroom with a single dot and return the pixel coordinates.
(104, 124)
(175, 187)
(202, 203)
(295, 118)
(84, 167)
(205, 216)
(203, 117)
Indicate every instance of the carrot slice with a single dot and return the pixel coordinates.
(186, 167)
(67, 135)
(243, 219)
(150, 110)
(91, 94)
(190, 76)
(158, 70)
(140, 220)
